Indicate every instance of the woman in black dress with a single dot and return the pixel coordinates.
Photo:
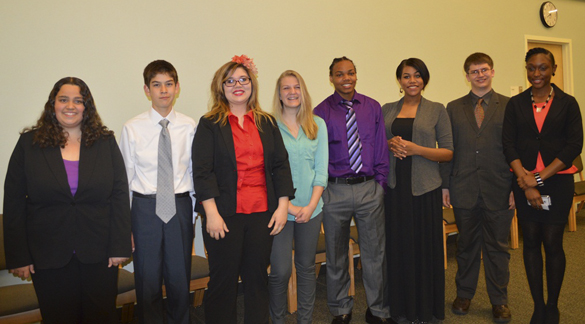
(542, 135)
(414, 230)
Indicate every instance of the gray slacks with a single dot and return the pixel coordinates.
(365, 203)
(483, 230)
(305, 238)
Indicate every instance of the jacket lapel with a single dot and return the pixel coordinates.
(470, 113)
(555, 110)
(55, 162)
(492, 107)
(228, 139)
(87, 161)
(527, 111)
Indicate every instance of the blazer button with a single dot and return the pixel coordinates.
(73, 204)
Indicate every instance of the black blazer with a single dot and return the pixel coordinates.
(44, 223)
(215, 173)
(561, 136)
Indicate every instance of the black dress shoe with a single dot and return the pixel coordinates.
(461, 306)
(371, 319)
(501, 313)
(341, 319)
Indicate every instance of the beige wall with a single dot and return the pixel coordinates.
(107, 43)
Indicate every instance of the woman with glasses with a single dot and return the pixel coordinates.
(243, 183)
(419, 136)
(542, 135)
(305, 138)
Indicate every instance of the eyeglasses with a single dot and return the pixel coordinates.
(483, 71)
(232, 82)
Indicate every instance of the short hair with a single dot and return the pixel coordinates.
(219, 107)
(305, 113)
(159, 67)
(50, 133)
(337, 60)
(540, 50)
(477, 58)
(418, 65)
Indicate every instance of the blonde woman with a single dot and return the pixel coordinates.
(305, 138)
(242, 179)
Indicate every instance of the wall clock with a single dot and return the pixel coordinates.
(548, 14)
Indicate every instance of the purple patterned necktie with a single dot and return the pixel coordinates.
(354, 145)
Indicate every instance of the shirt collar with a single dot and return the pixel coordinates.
(486, 97)
(155, 117)
(357, 98)
(249, 115)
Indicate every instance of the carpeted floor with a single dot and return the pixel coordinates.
(572, 300)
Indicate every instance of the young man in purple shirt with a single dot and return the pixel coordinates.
(358, 167)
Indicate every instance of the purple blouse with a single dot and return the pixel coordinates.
(72, 169)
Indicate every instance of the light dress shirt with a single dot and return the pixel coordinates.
(370, 122)
(139, 146)
(308, 161)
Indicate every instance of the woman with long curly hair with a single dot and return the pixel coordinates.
(66, 209)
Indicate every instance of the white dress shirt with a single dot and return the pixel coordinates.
(139, 146)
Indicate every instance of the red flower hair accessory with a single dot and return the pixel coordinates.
(247, 62)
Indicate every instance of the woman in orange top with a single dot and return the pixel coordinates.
(542, 135)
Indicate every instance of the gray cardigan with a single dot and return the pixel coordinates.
(431, 126)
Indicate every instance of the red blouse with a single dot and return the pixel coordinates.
(251, 192)
(539, 118)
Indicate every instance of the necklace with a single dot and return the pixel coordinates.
(539, 109)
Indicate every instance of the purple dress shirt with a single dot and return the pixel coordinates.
(372, 135)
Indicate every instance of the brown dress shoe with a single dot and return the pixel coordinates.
(501, 313)
(461, 306)
(341, 319)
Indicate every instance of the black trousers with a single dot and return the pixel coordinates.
(77, 293)
(245, 252)
(163, 251)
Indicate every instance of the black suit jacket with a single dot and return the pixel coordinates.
(561, 136)
(44, 223)
(478, 165)
(215, 173)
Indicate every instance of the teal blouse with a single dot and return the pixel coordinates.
(308, 160)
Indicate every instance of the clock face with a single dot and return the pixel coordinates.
(548, 14)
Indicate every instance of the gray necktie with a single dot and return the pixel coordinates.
(165, 191)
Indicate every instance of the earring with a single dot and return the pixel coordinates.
(553, 74)
(401, 91)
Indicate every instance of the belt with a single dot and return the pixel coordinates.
(153, 196)
(350, 181)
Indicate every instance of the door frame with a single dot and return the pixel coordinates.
(567, 50)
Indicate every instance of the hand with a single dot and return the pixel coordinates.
(293, 210)
(23, 272)
(305, 214)
(446, 198)
(132, 238)
(215, 226)
(511, 201)
(396, 146)
(534, 198)
(527, 181)
(278, 220)
(116, 261)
